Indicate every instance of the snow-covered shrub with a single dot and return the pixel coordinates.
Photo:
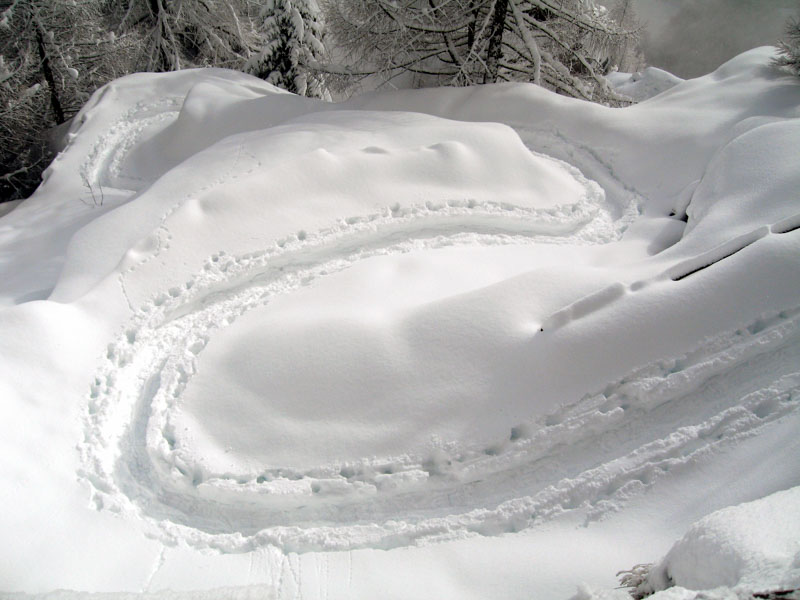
(635, 580)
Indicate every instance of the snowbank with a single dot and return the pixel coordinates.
(644, 84)
(733, 553)
(742, 546)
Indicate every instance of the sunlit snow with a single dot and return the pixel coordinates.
(448, 343)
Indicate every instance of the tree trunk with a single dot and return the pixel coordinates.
(47, 71)
(471, 29)
(161, 61)
(495, 51)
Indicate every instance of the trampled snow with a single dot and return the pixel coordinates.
(452, 343)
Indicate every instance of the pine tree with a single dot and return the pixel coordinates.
(293, 32)
(565, 45)
(789, 48)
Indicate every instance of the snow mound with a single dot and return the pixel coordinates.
(403, 165)
(753, 546)
(644, 84)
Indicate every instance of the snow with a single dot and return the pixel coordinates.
(738, 546)
(473, 343)
(644, 84)
(729, 553)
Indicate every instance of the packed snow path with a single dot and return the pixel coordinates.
(716, 394)
(149, 368)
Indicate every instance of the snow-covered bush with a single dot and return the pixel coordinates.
(635, 580)
(745, 551)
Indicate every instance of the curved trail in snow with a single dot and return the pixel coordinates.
(590, 455)
(586, 456)
(104, 166)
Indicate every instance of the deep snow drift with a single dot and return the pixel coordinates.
(451, 343)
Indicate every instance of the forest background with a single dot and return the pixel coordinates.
(55, 53)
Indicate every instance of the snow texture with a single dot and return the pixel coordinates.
(644, 84)
(444, 343)
(740, 546)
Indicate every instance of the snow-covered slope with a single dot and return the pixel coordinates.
(452, 343)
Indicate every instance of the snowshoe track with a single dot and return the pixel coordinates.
(542, 469)
(104, 166)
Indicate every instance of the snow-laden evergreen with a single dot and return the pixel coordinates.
(293, 31)
(789, 48)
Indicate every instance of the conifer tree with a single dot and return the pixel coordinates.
(789, 48)
(292, 33)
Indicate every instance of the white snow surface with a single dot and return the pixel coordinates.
(738, 546)
(729, 554)
(644, 84)
(446, 343)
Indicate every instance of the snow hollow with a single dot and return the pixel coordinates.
(484, 342)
